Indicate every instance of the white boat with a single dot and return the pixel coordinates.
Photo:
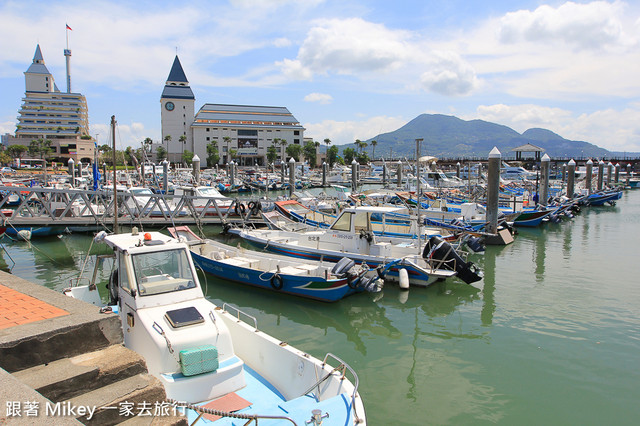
(352, 235)
(205, 356)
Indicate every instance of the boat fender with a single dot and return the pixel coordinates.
(403, 275)
(277, 282)
(240, 209)
(112, 286)
(254, 207)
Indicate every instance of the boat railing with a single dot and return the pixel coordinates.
(342, 369)
(226, 306)
(202, 411)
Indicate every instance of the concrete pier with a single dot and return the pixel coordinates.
(58, 350)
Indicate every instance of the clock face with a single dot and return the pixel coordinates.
(169, 106)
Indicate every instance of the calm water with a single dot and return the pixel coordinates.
(550, 336)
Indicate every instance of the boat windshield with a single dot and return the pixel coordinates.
(162, 272)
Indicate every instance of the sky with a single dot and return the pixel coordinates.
(345, 69)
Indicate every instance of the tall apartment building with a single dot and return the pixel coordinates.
(46, 112)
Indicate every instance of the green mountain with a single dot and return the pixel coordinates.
(448, 136)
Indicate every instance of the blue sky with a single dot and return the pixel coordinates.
(346, 69)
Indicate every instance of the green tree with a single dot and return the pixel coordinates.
(187, 157)
(33, 148)
(373, 146)
(310, 152)
(161, 153)
(16, 151)
(294, 150)
(332, 155)
(362, 157)
(213, 156)
(5, 158)
(348, 154)
(272, 154)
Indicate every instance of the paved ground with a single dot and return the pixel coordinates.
(17, 308)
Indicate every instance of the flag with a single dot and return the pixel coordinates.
(68, 27)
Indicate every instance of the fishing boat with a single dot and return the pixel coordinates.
(603, 197)
(351, 235)
(206, 357)
(323, 281)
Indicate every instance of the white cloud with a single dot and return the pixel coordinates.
(345, 132)
(372, 52)
(448, 74)
(616, 130)
(353, 45)
(7, 127)
(592, 25)
(321, 98)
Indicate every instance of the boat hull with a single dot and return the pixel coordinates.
(299, 285)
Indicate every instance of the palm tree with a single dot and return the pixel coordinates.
(227, 140)
(183, 141)
(373, 145)
(358, 144)
(167, 139)
(284, 144)
(327, 142)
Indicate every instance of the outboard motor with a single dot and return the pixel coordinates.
(475, 244)
(447, 258)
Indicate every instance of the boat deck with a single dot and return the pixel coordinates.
(266, 400)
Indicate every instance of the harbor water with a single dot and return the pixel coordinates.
(551, 335)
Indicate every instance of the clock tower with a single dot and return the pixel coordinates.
(177, 113)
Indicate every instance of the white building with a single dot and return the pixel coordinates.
(245, 131)
(47, 113)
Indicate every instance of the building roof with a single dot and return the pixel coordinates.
(245, 115)
(177, 73)
(38, 66)
(177, 86)
(177, 92)
(528, 147)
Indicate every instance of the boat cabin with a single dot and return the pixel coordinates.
(166, 317)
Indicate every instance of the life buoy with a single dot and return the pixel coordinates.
(277, 282)
(240, 209)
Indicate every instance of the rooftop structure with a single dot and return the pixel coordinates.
(48, 114)
(243, 132)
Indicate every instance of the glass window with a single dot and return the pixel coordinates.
(361, 222)
(162, 272)
(343, 223)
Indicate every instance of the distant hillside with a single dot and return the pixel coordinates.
(448, 136)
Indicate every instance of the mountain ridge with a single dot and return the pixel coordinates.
(450, 136)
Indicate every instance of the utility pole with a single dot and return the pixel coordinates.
(115, 190)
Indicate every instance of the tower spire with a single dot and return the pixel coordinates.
(67, 54)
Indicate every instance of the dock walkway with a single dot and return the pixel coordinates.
(62, 362)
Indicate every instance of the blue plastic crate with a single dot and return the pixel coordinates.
(202, 359)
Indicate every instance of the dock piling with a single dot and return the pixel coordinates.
(544, 180)
(571, 177)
